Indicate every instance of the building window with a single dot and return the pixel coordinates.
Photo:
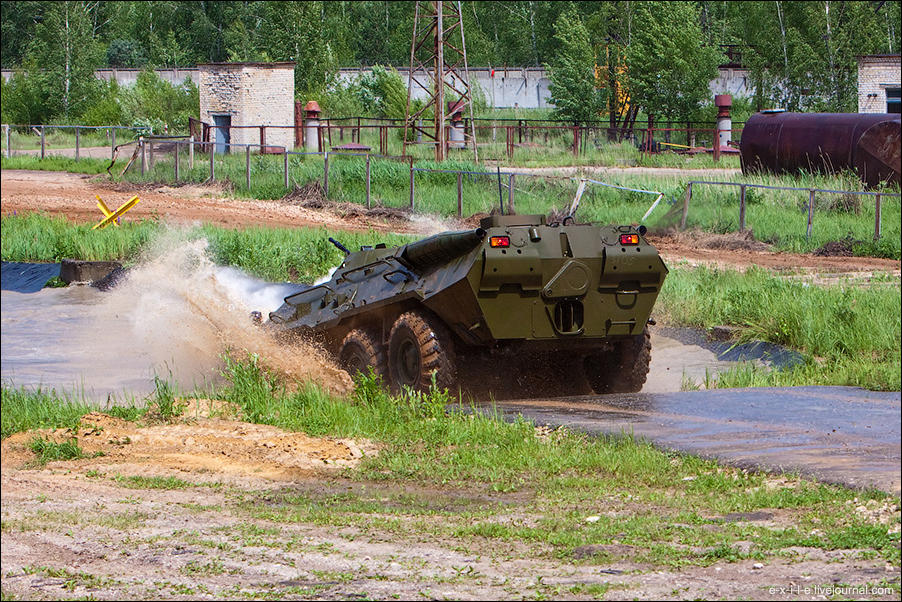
(894, 100)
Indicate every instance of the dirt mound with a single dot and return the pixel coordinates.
(838, 248)
(733, 241)
(312, 196)
(198, 443)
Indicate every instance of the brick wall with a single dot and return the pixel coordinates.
(874, 73)
(252, 94)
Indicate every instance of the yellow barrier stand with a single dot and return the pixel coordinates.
(111, 216)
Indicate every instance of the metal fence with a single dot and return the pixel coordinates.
(809, 206)
(56, 140)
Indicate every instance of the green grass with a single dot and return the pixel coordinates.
(833, 326)
(47, 450)
(56, 163)
(850, 335)
(37, 237)
(776, 217)
(25, 410)
(445, 471)
(299, 255)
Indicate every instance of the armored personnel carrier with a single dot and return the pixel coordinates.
(517, 307)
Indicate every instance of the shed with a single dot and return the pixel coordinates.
(239, 100)
(879, 83)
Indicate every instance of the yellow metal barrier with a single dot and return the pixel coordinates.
(112, 216)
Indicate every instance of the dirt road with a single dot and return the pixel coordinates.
(73, 195)
(213, 508)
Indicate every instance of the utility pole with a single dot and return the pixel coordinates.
(437, 27)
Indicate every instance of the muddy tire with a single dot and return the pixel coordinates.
(621, 370)
(360, 350)
(418, 346)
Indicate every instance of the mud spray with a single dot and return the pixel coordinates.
(185, 312)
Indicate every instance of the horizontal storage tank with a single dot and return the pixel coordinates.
(779, 142)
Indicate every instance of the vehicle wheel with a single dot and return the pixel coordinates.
(623, 369)
(420, 345)
(361, 349)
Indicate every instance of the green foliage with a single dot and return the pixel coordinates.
(48, 450)
(383, 92)
(156, 103)
(572, 72)
(831, 323)
(125, 53)
(25, 410)
(669, 65)
(61, 58)
(38, 237)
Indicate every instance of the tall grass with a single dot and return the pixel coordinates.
(776, 217)
(24, 410)
(299, 255)
(39, 237)
(850, 335)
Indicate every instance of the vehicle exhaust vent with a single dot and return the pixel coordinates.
(568, 316)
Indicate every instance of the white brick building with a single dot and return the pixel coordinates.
(248, 94)
(879, 83)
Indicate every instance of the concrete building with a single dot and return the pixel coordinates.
(248, 94)
(879, 83)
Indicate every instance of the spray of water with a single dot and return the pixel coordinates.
(186, 311)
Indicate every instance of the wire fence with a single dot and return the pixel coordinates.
(397, 181)
(498, 139)
(813, 214)
(68, 140)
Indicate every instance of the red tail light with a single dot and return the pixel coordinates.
(500, 241)
(629, 239)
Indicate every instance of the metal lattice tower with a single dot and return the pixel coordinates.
(437, 28)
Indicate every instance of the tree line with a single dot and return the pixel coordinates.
(661, 55)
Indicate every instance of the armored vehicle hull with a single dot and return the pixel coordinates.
(515, 307)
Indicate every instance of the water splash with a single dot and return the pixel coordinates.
(184, 309)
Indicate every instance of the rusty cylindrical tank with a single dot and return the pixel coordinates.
(780, 142)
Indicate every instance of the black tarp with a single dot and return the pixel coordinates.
(27, 277)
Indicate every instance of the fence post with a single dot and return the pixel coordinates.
(43, 143)
(460, 194)
(411, 183)
(877, 219)
(716, 145)
(576, 141)
(150, 157)
(143, 155)
(113, 144)
(742, 208)
(212, 163)
(285, 166)
(367, 175)
(176, 160)
(810, 213)
(8, 140)
(510, 194)
(686, 198)
(262, 138)
(77, 143)
(191, 152)
(247, 166)
(326, 174)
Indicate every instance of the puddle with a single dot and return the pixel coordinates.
(173, 316)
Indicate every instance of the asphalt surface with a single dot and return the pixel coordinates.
(841, 435)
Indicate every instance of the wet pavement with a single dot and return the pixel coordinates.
(841, 435)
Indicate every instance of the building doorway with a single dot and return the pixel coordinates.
(222, 128)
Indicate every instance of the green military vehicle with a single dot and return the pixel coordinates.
(516, 307)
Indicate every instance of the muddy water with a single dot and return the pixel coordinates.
(838, 434)
(173, 317)
(112, 344)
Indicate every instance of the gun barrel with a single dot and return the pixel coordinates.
(441, 248)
